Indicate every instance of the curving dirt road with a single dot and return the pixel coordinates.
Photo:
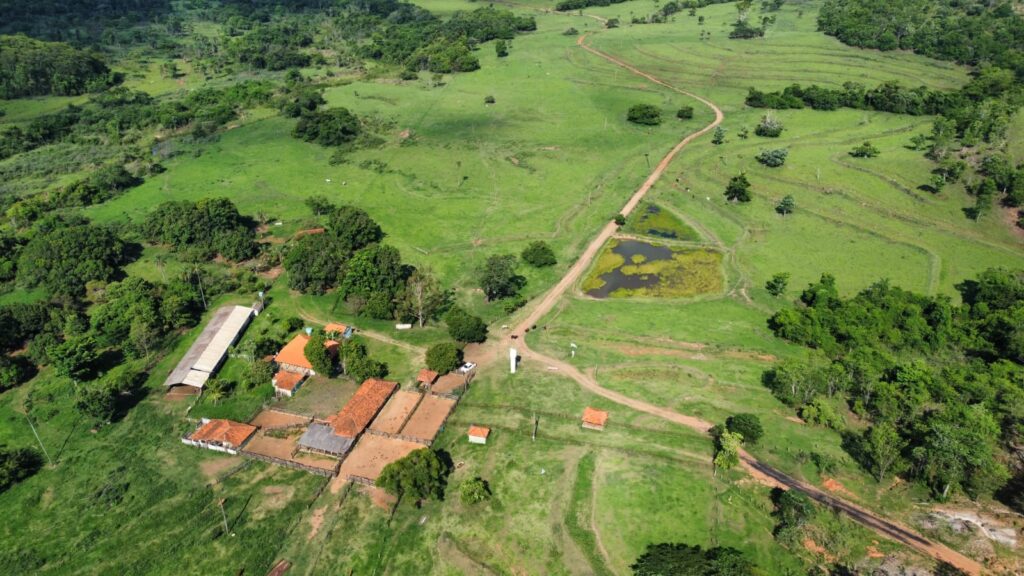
(759, 470)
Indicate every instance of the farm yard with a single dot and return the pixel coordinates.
(656, 315)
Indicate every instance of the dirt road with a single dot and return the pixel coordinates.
(757, 469)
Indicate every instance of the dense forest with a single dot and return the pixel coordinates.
(939, 383)
(972, 32)
(32, 68)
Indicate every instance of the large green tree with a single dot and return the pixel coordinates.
(64, 259)
(498, 277)
(423, 474)
(683, 559)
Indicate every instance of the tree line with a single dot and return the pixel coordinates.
(972, 32)
(940, 383)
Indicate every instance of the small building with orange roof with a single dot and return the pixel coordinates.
(338, 330)
(427, 377)
(594, 419)
(292, 358)
(478, 434)
(287, 383)
(220, 435)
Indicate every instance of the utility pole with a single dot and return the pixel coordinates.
(38, 439)
(223, 514)
(647, 156)
(536, 422)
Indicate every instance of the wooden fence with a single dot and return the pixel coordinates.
(292, 464)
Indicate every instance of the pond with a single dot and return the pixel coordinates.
(636, 268)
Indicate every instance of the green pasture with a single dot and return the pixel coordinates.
(561, 502)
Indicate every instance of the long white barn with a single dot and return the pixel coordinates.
(207, 353)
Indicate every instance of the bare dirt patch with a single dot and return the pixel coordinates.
(449, 383)
(1010, 216)
(833, 485)
(818, 549)
(275, 419)
(372, 454)
(379, 497)
(396, 412)
(273, 273)
(428, 418)
(214, 467)
(316, 521)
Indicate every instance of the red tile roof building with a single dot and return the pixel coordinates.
(361, 409)
(594, 419)
(292, 357)
(478, 434)
(426, 377)
(222, 435)
(287, 383)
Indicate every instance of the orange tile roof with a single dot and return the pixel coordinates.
(287, 380)
(594, 416)
(479, 431)
(226, 432)
(426, 376)
(294, 352)
(336, 327)
(362, 407)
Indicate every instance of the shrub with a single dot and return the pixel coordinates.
(513, 303)
(538, 254)
(570, 32)
(865, 150)
(15, 371)
(475, 491)
(820, 412)
(16, 464)
(620, 220)
(444, 357)
(409, 75)
(777, 284)
(786, 206)
(719, 136)
(464, 327)
(769, 127)
(331, 127)
(644, 114)
(489, 100)
(685, 113)
(773, 158)
(748, 425)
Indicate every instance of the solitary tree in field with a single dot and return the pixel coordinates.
(786, 206)
(685, 113)
(498, 277)
(501, 48)
(738, 189)
(777, 284)
(865, 150)
(538, 254)
(719, 136)
(475, 491)
(728, 450)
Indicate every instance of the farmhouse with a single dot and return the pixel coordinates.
(207, 353)
(478, 434)
(426, 377)
(292, 358)
(336, 330)
(220, 435)
(287, 383)
(594, 419)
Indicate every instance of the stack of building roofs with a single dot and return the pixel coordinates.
(337, 435)
(287, 383)
(207, 353)
(220, 435)
(292, 358)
